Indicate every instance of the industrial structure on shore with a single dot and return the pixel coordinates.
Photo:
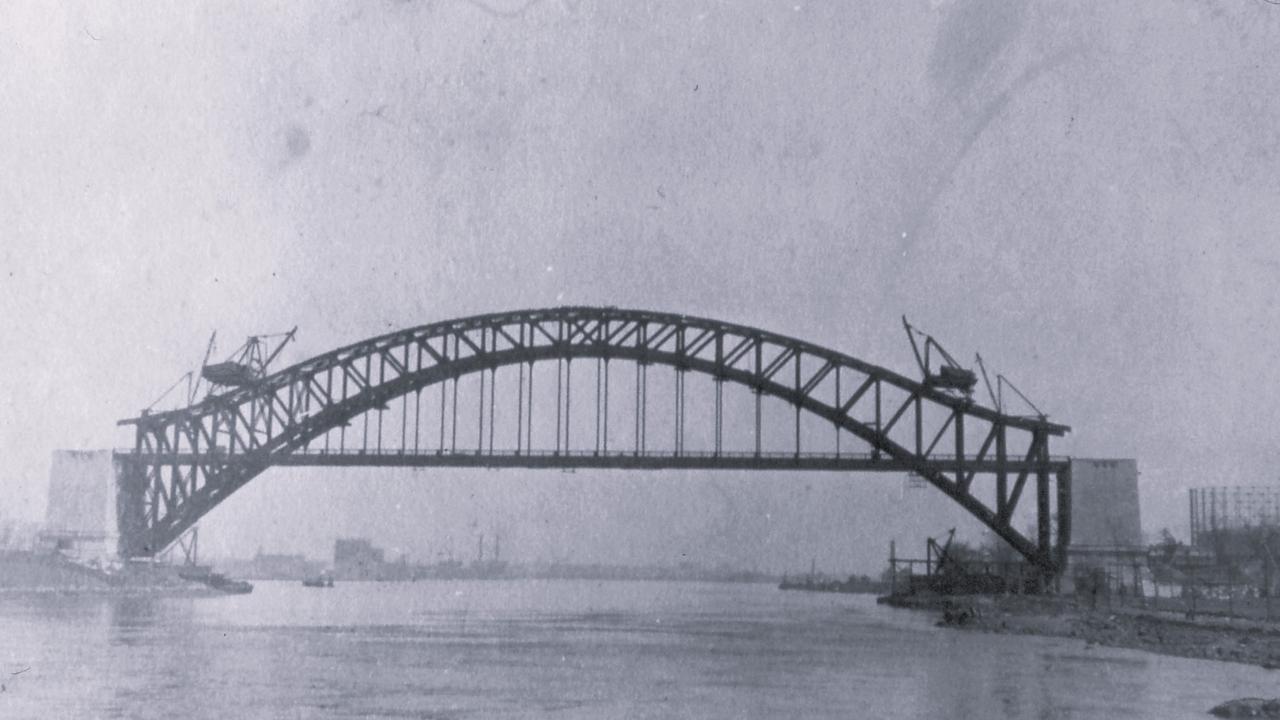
(360, 559)
(1235, 536)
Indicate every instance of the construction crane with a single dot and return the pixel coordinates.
(246, 366)
(248, 363)
(997, 394)
(950, 374)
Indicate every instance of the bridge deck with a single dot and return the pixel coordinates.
(622, 459)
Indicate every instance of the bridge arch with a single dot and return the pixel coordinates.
(186, 461)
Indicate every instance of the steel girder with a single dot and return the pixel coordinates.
(186, 461)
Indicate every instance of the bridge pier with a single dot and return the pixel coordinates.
(131, 507)
(1053, 515)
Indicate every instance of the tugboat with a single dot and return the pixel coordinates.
(323, 580)
(221, 582)
(217, 581)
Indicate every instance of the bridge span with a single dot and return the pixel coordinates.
(429, 397)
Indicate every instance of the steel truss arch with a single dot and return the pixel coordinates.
(186, 461)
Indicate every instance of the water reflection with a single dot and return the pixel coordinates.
(132, 619)
(564, 650)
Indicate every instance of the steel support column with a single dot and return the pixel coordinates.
(1064, 515)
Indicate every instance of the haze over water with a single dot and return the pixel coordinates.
(528, 649)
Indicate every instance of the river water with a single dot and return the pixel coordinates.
(564, 649)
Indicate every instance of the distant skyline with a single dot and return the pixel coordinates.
(1083, 192)
(765, 521)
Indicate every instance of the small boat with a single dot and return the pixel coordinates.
(222, 583)
(195, 573)
(217, 581)
(323, 580)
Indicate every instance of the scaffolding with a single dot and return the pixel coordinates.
(1219, 509)
(1239, 529)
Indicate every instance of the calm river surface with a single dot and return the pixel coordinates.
(532, 649)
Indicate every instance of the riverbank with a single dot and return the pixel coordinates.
(30, 572)
(1249, 642)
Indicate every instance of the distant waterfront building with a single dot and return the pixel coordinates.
(358, 559)
(290, 567)
(1215, 510)
(271, 566)
(1237, 523)
(18, 535)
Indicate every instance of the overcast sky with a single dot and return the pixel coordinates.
(1084, 192)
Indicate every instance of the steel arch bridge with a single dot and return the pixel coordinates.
(186, 461)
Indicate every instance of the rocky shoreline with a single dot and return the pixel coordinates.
(1241, 641)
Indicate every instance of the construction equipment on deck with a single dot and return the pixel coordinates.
(997, 394)
(248, 363)
(950, 375)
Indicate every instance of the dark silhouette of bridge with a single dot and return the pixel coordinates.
(804, 407)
